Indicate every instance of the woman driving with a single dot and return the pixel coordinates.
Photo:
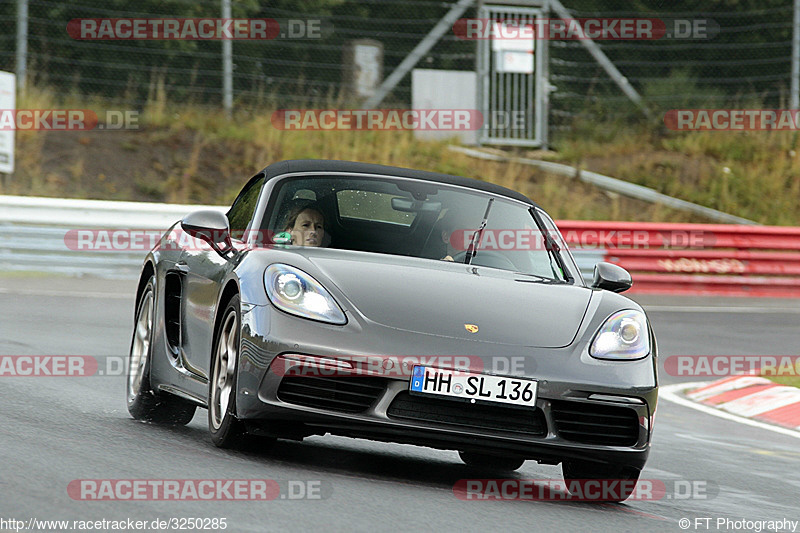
(306, 223)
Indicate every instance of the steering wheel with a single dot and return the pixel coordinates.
(488, 259)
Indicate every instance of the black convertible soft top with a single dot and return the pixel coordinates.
(335, 166)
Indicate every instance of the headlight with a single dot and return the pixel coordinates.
(292, 290)
(623, 335)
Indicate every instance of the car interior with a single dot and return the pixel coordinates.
(362, 216)
(398, 218)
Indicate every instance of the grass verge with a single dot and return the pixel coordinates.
(792, 381)
(190, 154)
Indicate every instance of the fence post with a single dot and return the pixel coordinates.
(22, 44)
(795, 88)
(227, 65)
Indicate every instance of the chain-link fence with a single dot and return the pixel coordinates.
(747, 61)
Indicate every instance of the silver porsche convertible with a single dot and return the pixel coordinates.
(395, 305)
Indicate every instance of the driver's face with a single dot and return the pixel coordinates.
(308, 229)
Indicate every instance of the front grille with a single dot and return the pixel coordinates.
(590, 423)
(348, 394)
(473, 416)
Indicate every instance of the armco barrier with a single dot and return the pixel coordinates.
(718, 259)
(33, 230)
(714, 259)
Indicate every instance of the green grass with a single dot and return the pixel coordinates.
(792, 381)
(186, 153)
(755, 175)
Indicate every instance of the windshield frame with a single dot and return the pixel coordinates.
(268, 198)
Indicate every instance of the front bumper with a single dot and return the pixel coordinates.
(593, 391)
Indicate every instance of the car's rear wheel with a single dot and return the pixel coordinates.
(610, 482)
(491, 462)
(143, 402)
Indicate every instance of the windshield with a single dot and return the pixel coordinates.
(414, 218)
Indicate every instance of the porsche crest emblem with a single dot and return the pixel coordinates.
(472, 328)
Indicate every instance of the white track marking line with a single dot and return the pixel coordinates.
(707, 440)
(671, 394)
(714, 309)
(67, 294)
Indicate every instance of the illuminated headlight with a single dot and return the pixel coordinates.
(623, 336)
(292, 290)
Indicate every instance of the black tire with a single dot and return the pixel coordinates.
(491, 462)
(226, 430)
(143, 402)
(578, 473)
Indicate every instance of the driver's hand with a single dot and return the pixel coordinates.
(447, 258)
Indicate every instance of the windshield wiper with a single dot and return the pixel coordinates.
(536, 278)
(553, 249)
(476, 237)
(539, 279)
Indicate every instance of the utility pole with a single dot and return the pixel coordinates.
(795, 88)
(22, 44)
(227, 65)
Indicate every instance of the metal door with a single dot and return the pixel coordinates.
(512, 78)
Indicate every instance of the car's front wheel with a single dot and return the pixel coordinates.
(226, 430)
(616, 482)
(491, 462)
(143, 402)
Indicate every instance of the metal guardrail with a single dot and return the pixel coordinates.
(714, 259)
(33, 233)
(34, 210)
(42, 249)
(38, 234)
(608, 183)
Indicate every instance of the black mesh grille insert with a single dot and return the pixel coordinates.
(473, 416)
(589, 423)
(172, 309)
(348, 394)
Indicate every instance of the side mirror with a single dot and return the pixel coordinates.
(210, 226)
(611, 277)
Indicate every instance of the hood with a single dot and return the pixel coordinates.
(440, 298)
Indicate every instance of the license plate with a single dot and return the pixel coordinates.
(465, 385)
